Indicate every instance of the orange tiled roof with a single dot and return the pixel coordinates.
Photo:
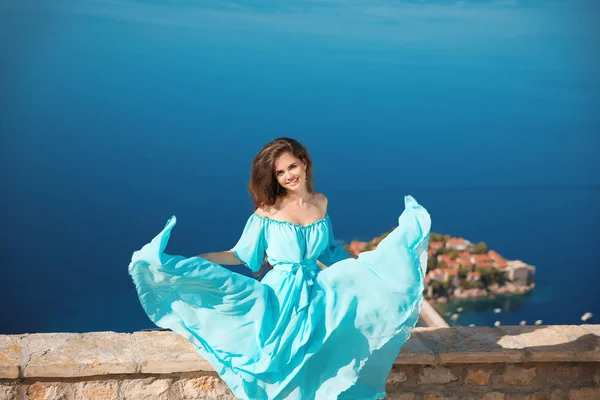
(464, 260)
(481, 258)
(456, 241)
(483, 265)
(357, 246)
(445, 258)
(450, 271)
(494, 255)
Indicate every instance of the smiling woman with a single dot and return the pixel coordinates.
(302, 332)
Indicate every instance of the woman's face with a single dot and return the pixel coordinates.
(290, 172)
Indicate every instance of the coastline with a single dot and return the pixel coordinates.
(490, 293)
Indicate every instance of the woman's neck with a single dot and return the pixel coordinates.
(298, 197)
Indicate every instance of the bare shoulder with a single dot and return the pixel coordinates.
(263, 212)
(321, 201)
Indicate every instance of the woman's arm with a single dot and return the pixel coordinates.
(222, 257)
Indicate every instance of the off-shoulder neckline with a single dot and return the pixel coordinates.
(282, 222)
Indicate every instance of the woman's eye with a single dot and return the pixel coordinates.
(292, 166)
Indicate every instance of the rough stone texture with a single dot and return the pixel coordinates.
(556, 343)
(163, 352)
(494, 396)
(106, 390)
(466, 345)
(69, 355)
(415, 351)
(439, 396)
(50, 391)
(584, 394)
(531, 396)
(558, 394)
(478, 377)
(147, 389)
(10, 350)
(395, 377)
(209, 386)
(401, 396)
(436, 375)
(584, 340)
(8, 392)
(518, 376)
(564, 374)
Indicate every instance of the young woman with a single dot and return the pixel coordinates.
(319, 325)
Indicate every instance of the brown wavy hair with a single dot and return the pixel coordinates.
(263, 183)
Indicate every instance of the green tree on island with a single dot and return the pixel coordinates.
(480, 248)
(432, 263)
(436, 237)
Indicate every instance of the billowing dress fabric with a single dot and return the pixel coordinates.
(300, 333)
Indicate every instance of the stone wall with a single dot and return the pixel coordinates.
(541, 362)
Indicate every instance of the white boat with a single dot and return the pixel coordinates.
(497, 323)
(497, 310)
(454, 317)
(587, 316)
(538, 322)
(459, 309)
(523, 323)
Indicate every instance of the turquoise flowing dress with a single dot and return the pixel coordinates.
(301, 332)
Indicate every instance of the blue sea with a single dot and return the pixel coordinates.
(117, 115)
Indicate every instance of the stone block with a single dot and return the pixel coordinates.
(494, 396)
(72, 355)
(584, 394)
(395, 377)
(473, 345)
(530, 396)
(146, 389)
(584, 340)
(556, 343)
(165, 352)
(8, 392)
(566, 373)
(50, 391)
(400, 396)
(93, 390)
(205, 387)
(514, 375)
(436, 375)
(478, 377)
(439, 396)
(10, 351)
(558, 394)
(415, 351)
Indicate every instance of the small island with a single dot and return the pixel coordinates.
(459, 269)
